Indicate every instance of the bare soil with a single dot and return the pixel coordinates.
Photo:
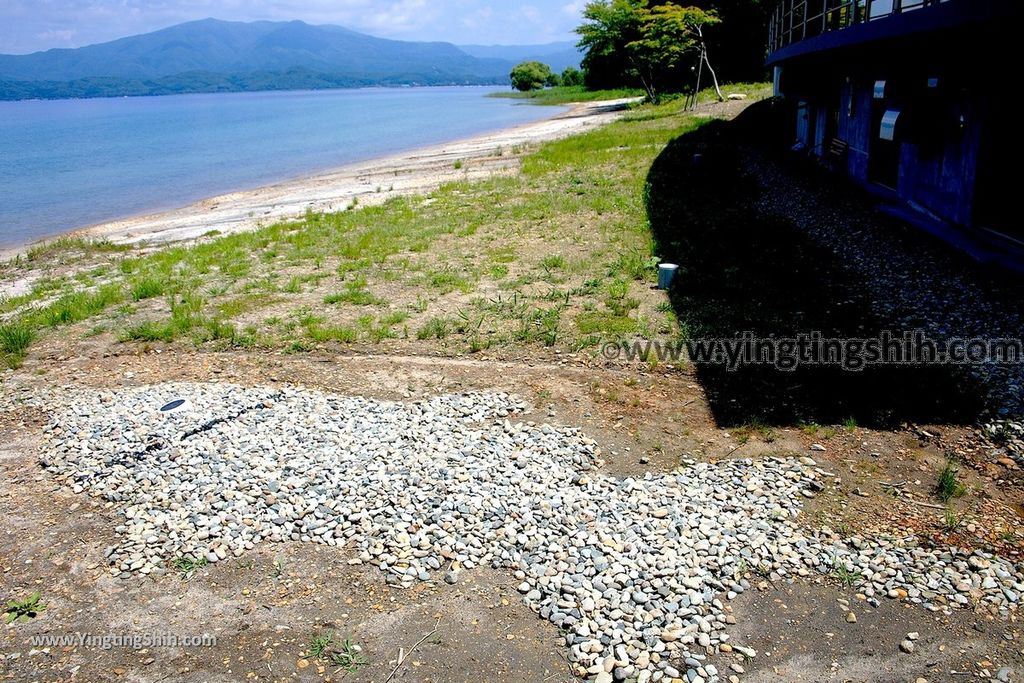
(265, 607)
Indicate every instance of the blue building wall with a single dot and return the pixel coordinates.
(855, 128)
(944, 84)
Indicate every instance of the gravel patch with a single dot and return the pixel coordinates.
(636, 570)
(1007, 435)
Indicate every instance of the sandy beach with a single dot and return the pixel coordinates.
(366, 183)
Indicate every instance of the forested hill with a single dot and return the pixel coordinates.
(215, 56)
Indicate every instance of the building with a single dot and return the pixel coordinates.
(913, 100)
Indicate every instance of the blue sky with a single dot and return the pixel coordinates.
(31, 25)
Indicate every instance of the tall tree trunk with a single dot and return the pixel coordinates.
(695, 100)
(714, 78)
(704, 56)
(646, 82)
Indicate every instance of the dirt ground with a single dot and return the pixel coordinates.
(265, 607)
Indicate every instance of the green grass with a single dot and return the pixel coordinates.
(356, 297)
(345, 655)
(76, 306)
(753, 91)
(348, 657)
(952, 520)
(846, 577)
(570, 95)
(66, 246)
(319, 644)
(333, 333)
(636, 265)
(605, 324)
(539, 325)
(394, 318)
(435, 328)
(147, 331)
(186, 564)
(949, 485)
(553, 262)
(146, 288)
(447, 281)
(585, 192)
(15, 338)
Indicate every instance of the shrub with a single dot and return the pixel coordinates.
(531, 76)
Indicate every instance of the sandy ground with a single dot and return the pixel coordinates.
(368, 183)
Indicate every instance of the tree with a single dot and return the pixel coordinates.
(668, 35)
(530, 76)
(632, 42)
(739, 44)
(572, 76)
(609, 25)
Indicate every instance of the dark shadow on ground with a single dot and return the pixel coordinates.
(742, 271)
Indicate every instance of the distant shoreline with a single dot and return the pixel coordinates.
(497, 83)
(366, 183)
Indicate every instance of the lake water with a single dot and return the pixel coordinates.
(70, 163)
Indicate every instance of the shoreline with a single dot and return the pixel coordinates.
(367, 183)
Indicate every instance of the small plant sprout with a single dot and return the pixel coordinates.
(320, 644)
(951, 519)
(20, 611)
(847, 577)
(348, 656)
(949, 485)
(187, 564)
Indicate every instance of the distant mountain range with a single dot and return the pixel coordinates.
(556, 55)
(221, 56)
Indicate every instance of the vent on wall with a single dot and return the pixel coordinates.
(887, 130)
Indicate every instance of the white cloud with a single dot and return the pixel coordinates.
(59, 37)
(478, 19)
(574, 9)
(530, 13)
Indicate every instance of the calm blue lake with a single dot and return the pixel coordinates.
(70, 163)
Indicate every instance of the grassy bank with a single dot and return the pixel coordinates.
(559, 255)
(578, 93)
(569, 95)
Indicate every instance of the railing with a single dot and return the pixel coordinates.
(795, 20)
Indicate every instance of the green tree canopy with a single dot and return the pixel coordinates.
(609, 25)
(739, 45)
(572, 76)
(668, 34)
(633, 42)
(531, 76)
